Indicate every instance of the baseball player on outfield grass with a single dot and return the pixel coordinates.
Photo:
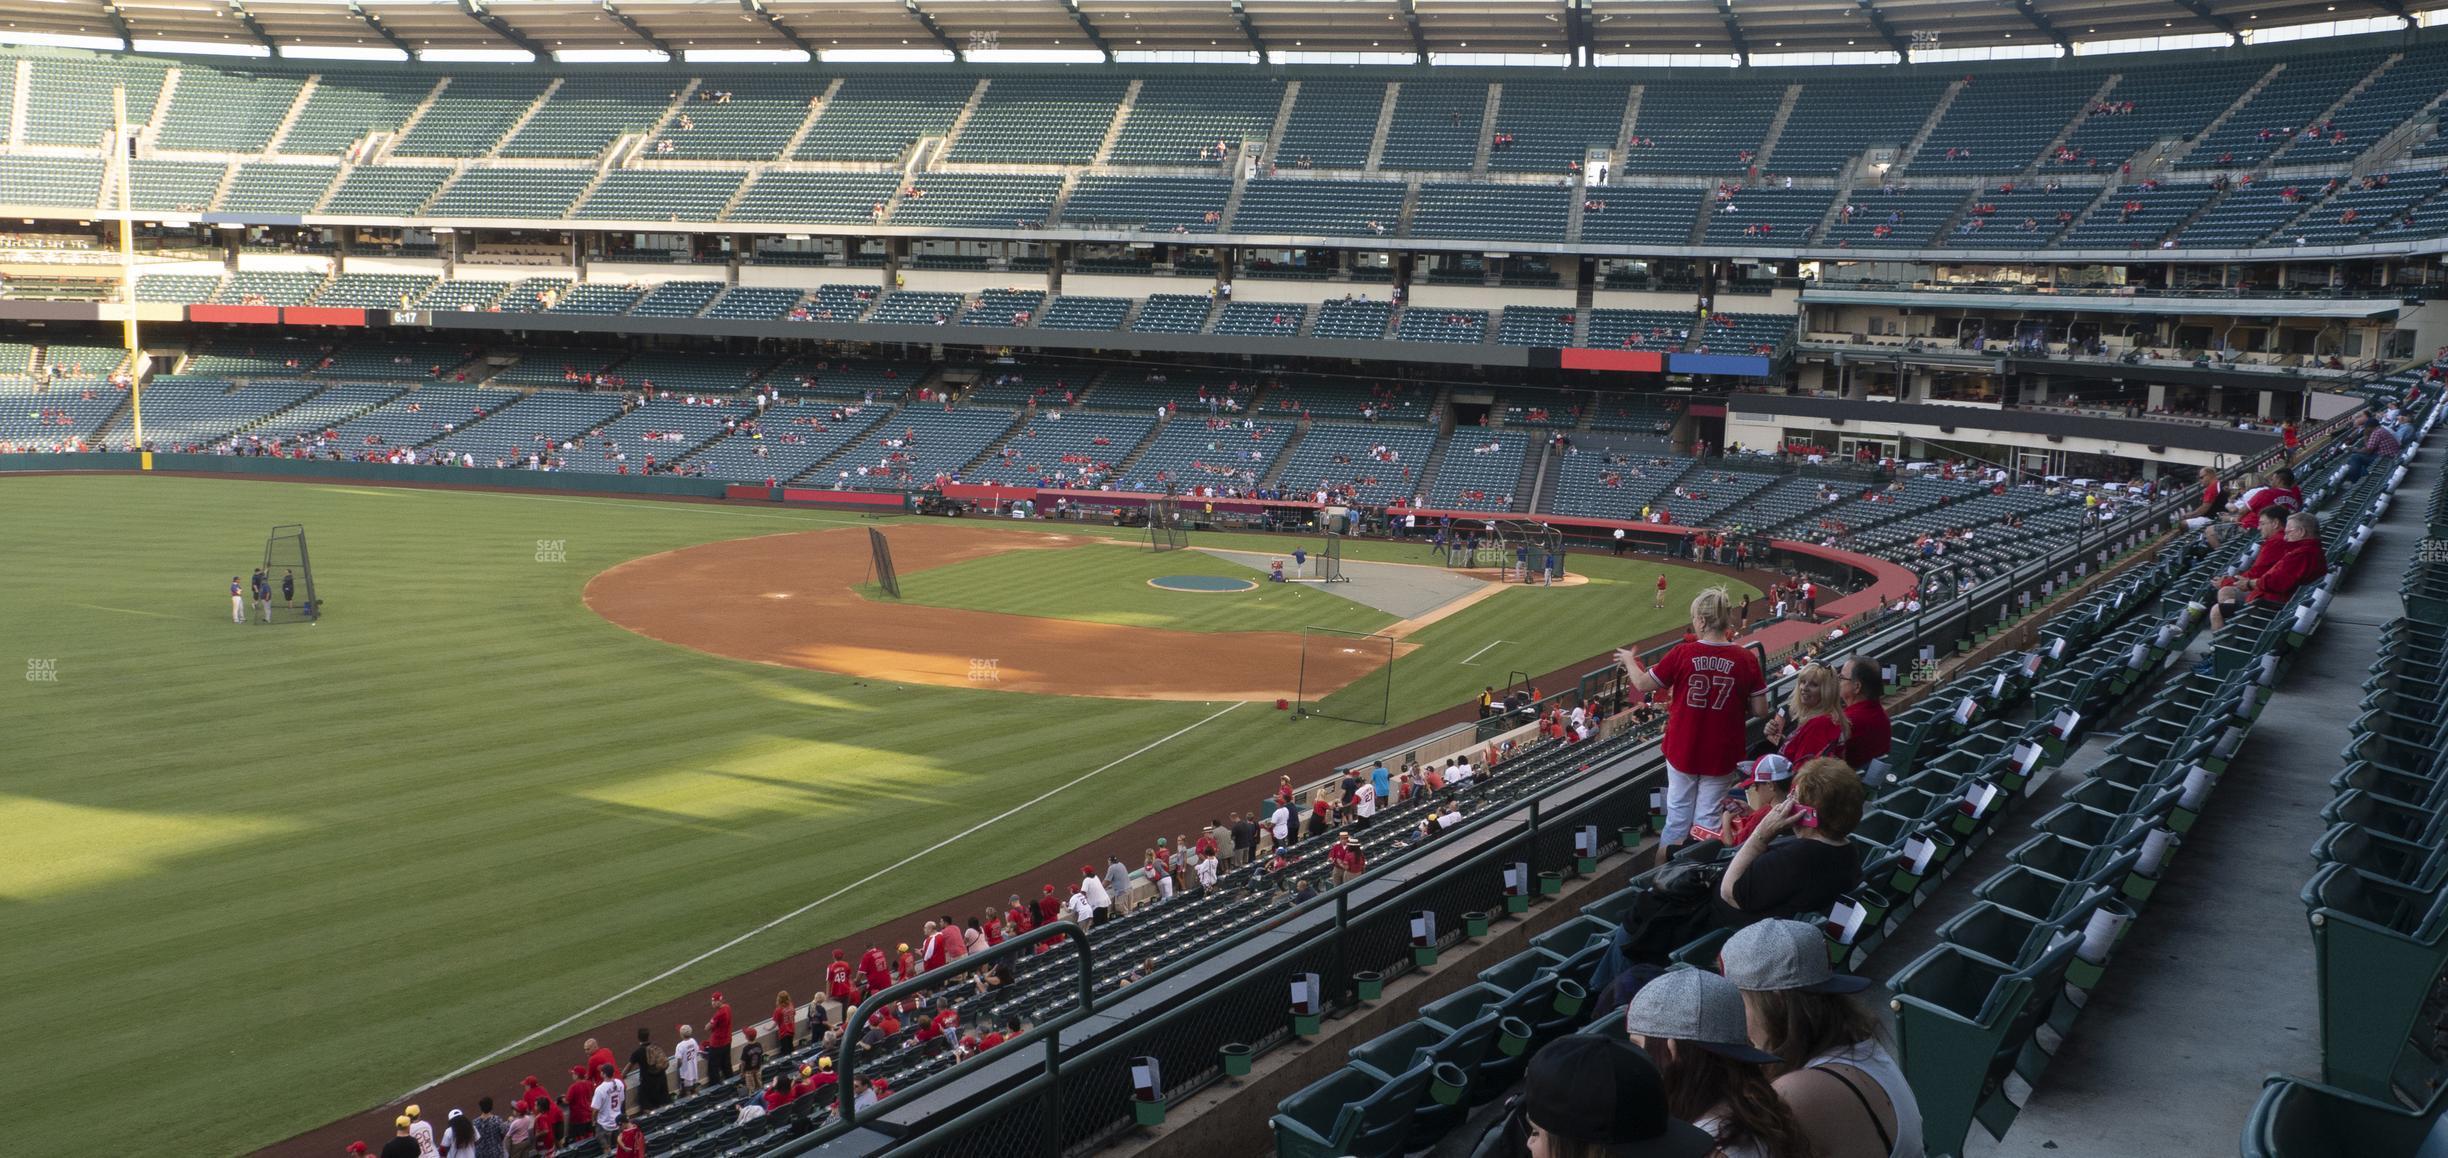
(237, 601)
(263, 594)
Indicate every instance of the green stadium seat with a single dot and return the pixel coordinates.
(1349, 1114)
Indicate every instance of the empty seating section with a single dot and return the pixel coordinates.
(1039, 120)
(1834, 121)
(1480, 470)
(1494, 212)
(55, 418)
(1071, 312)
(662, 195)
(815, 198)
(553, 366)
(1699, 126)
(469, 116)
(83, 362)
(462, 294)
(68, 102)
(334, 404)
(512, 193)
(1331, 125)
(845, 380)
(1786, 216)
(1179, 121)
(739, 118)
(1337, 208)
(537, 424)
(1262, 319)
(2245, 215)
(1436, 124)
(2294, 98)
(1353, 319)
(786, 440)
(384, 190)
(1744, 333)
(2398, 94)
(677, 299)
(840, 302)
(1603, 482)
(2357, 210)
(981, 200)
(1554, 123)
(923, 442)
(587, 113)
(184, 412)
(266, 358)
(753, 304)
(1058, 448)
(2000, 125)
(879, 118)
(595, 299)
(1172, 314)
(1198, 392)
(1905, 217)
(2023, 219)
(2169, 102)
(65, 182)
(1366, 462)
(691, 372)
(179, 186)
(916, 308)
(1612, 329)
(374, 290)
(1535, 326)
(417, 417)
(1435, 324)
(268, 288)
(2135, 217)
(1634, 215)
(1159, 204)
(345, 108)
(1004, 307)
(1334, 398)
(176, 287)
(281, 190)
(225, 111)
(1194, 450)
(1017, 388)
(389, 361)
(651, 436)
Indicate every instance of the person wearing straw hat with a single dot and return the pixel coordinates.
(1692, 1024)
(1585, 1096)
(1834, 1068)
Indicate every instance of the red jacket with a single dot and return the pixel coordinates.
(837, 982)
(871, 963)
(632, 1143)
(602, 1057)
(718, 1027)
(2299, 562)
(581, 1102)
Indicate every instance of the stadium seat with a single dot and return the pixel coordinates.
(1350, 1114)
(2299, 1119)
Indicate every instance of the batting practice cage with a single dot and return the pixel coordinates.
(1165, 529)
(291, 575)
(1327, 654)
(1330, 561)
(1519, 550)
(880, 566)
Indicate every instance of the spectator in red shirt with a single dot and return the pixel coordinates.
(786, 1022)
(2277, 492)
(1869, 735)
(2211, 500)
(598, 1057)
(1018, 917)
(718, 1041)
(632, 1141)
(1819, 726)
(1767, 785)
(1049, 907)
(1346, 858)
(934, 954)
(837, 980)
(871, 964)
(580, 1099)
(1716, 687)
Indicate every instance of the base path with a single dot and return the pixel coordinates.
(789, 600)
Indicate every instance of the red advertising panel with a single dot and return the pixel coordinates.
(322, 316)
(1633, 361)
(243, 315)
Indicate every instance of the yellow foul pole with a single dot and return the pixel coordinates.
(127, 260)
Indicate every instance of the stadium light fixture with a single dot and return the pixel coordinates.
(339, 52)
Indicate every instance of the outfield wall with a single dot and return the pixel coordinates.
(482, 478)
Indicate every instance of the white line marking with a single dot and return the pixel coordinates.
(801, 911)
(124, 610)
(1482, 651)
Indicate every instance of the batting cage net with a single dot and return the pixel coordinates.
(880, 567)
(1518, 550)
(1326, 685)
(289, 576)
(1166, 532)
(1330, 561)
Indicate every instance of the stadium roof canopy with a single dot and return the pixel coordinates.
(1578, 29)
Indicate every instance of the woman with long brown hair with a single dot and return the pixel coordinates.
(1692, 1023)
(1834, 1067)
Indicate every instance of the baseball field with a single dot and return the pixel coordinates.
(551, 759)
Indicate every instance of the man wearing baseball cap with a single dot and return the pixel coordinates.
(1691, 1022)
(400, 1145)
(1844, 1086)
(1763, 787)
(1589, 1094)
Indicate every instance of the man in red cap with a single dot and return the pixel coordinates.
(871, 965)
(718, 1041)
(357, 1148)
(837, 980)
(579, 1100)
(1049, 907)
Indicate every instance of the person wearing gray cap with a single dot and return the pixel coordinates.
(1692, 1023)
(1844, 1086)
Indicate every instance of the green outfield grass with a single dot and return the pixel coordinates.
(1108, 584)
(287, 873)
